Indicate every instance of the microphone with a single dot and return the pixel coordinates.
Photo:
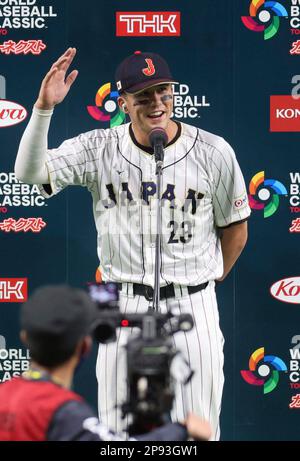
(158, 139)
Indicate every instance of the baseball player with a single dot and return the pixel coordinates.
(204, 216)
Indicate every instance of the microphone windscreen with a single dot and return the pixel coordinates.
(158, 136)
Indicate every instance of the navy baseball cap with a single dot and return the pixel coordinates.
(142, 70)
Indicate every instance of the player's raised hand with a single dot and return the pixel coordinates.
(56, 85)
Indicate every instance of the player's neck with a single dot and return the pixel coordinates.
(143, 138)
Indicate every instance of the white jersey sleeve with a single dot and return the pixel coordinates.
(30, 166)
(230, 200)
(75, 162)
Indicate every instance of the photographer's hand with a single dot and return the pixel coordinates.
(197, 428)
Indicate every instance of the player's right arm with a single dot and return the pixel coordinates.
(30, 165)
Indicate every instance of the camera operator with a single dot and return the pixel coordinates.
(39, 405)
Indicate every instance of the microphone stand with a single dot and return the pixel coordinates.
(159, 157)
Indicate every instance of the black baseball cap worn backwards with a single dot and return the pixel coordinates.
(142, 70)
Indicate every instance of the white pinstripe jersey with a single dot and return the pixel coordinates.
(202, 189)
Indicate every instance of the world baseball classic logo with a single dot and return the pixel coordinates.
(264, 17)
(263, 370)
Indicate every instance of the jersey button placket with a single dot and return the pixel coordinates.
(149, 220)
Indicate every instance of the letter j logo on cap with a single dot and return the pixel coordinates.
(150, 70)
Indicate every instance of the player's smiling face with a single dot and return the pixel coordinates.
(149, 109)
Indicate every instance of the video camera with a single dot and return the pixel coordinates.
(152, 361)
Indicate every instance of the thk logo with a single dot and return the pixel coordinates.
(13, 290)
(149, 23)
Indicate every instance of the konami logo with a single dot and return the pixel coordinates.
(284, 113)
(287, 113)
(13, 290)
(287, 290)
(148, 23)
(11, 113)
